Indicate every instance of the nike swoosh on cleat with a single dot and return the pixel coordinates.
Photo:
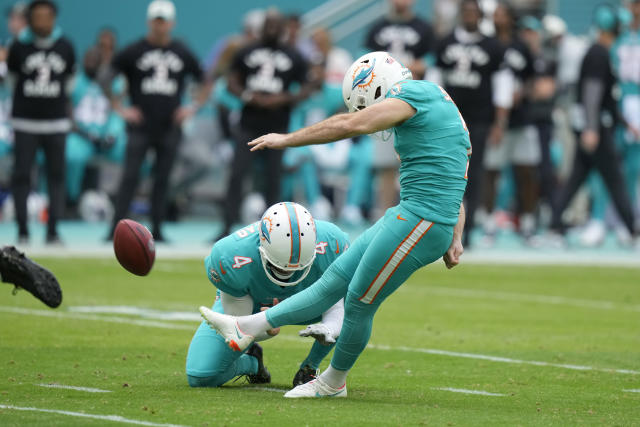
(238, 332)
(400, 218)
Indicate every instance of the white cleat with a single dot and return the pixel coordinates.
(594, 234)
(321, 332)
(316, 388)
(227, 327)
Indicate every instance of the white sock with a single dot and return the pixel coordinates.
(255, 324)
(334, 377)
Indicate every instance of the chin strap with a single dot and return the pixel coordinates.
(279, 275)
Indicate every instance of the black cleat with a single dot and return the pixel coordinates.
(16, 268)
(262, 376)
(304, 375)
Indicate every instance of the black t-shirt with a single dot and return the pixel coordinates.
(42, 76)
(518, 58)
(405, 41)
(268, 70)
(467, 69)
(156, 78)
(541, 110)
(596, 65)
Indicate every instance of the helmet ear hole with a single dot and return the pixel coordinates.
(378, 92)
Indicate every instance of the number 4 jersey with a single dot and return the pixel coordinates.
(234, 265)
(434, 150)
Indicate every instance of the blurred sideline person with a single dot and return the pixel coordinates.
(262, 75)
(43, 62)
(218, 63)
(155, 68)
(97, 129)
(106, 43)
(410, 40)
(16, 22)
(433, 144)
(542, 100)
(254, 268)
(626, 66)
(472, 69)
(322, 168)
(594, 121)
(23, 273)
(520, 148)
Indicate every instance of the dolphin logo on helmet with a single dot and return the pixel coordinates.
(363, 75)
(265, 227)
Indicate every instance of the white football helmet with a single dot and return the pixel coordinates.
(287, 243)
(369, 78)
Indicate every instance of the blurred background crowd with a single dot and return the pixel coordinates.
(131, 108)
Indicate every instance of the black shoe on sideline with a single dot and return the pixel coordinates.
(16, 268)
(53, 239)
(304, 375)
(262, 376)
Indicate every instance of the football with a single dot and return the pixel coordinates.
(134, 247)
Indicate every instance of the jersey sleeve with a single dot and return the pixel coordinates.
(192, 64)
(410, 93)
(596, 65)
(71, 66)
(122, 61)
(332, 241)
(219, 271)
(13, 58)
(237, 63)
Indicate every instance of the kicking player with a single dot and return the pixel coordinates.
(254, 268)
(432, 142)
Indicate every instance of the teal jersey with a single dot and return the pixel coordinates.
(91, 109)
(234, 265)
(625, 60)
(318, 107)
(434, 151)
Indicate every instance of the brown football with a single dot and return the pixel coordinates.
(134, 247)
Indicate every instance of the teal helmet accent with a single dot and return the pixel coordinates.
(530, 22)
(624, 17)
(605, 18)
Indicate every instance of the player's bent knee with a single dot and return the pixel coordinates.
(212, 381)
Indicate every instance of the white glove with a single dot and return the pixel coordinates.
(321, 332)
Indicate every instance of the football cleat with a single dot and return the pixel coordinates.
(227, 327)
(316, 388)
(320, 332)
(304, 375)
(262, 376)
(16, 268)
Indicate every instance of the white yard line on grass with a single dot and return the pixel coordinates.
(114, 418)
(167, 325)
(72, 387)
(81, 316)
(273, 389)
(632, 390)
(131, 310)
(500, 359)
(511, 296)
(465, 391)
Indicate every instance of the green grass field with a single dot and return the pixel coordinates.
(557, 345)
